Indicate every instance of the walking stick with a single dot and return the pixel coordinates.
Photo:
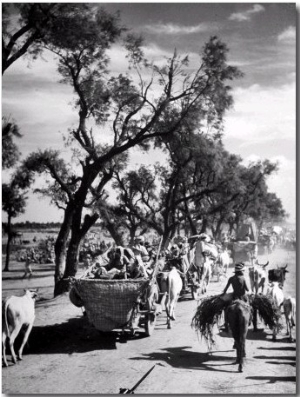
(131, 391)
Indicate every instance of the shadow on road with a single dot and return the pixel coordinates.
(258, 335)
(179, 357)
(274, 379)
(282, 348)
(72, 336)
(276, 357)
(281, 363)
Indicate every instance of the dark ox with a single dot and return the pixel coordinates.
(239, 314)
(277, 275)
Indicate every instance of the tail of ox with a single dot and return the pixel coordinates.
(170, 287)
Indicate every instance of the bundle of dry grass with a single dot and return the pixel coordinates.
(266, 308)
(210, 310)
(207, 315)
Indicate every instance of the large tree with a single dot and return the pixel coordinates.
(121, 109)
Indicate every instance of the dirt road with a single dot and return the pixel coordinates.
(67, 356)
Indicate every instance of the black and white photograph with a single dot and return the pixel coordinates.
(149, 198)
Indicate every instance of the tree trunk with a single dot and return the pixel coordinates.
(132, 232)
(9, 239)
(74, 245)
(117, 237)
(60, 252)
(204, 226)
(73, 255)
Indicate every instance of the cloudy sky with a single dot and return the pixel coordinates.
(262, 123)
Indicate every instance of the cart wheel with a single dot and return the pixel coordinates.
(150, 323)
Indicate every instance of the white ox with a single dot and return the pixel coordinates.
(258, 277)
(276, 293)
(170, 288)
(289, 308)
(17, 311)
(205, 254)
(223, 263)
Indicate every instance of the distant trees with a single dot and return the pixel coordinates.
(202, 182)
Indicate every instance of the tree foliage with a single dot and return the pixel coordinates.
(10, 151)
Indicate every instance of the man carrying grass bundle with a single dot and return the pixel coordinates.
(240, 289)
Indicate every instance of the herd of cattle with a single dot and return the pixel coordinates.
(197, 258)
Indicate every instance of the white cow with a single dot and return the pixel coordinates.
(258, 276)
(276, 293)
(289, 308)
(223, 263)
(17, 311)
(206, 274)
(170, 287)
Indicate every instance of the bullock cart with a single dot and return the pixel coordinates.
(127, 304)
(244, 251)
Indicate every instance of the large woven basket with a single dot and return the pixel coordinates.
(109, 303)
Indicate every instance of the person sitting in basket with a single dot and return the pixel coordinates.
(239, 286)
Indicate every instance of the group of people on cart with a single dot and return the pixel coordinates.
(140, 259)
(124, 262)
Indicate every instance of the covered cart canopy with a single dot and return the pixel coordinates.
(247, 229)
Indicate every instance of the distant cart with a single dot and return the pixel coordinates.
(245, 248)
(117, 304)
(244, 251)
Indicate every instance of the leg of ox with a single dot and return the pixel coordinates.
(238, 318)
(163, 287)
(13, 335)
(4, 336)
(25, 339)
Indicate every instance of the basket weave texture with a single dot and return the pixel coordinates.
(109, 303)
